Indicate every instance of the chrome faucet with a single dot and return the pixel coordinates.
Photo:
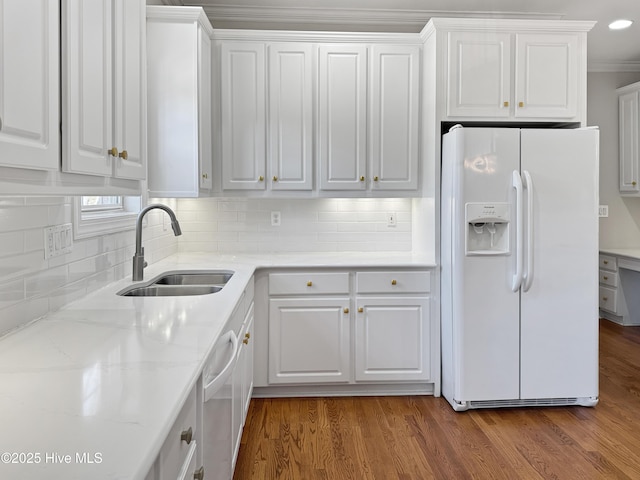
(138, 257)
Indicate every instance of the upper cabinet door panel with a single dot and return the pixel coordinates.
(479, 74)
(243, 88)
(342, 94)
(87, 92)
(291, 116)
(130, 105)
(395, 102)
(628, 104)
(546, 75)
(29, 84)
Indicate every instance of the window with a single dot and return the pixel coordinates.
(95, 215)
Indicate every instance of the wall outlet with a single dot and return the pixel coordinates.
(603, 211)
(275, 219)
(58, 240)
(392, 221)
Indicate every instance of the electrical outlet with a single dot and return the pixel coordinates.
(276, 218)
(58, 240)
(603, 211)
(392, 221)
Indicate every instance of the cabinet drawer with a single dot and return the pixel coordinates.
(609, 278)
(607, 262)
(608, 299)
(393, 282)
(175, 450)
(313, 283)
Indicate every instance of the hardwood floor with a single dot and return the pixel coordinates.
(409, 438)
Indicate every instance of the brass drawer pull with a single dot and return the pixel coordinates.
(187, 436)
(360, 310)
(309, 283)
(199, 474)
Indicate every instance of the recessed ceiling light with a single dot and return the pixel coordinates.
(620, 24)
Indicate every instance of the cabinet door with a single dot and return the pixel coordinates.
(309, 340)
(87, 87)
(479, 75)
(290, 116)
(342, 129)
(395, 102)
(243, 92)
(392, 339)
(546, 71)
(628, 131)
(205, 126)
(29, 84)
(129, 63)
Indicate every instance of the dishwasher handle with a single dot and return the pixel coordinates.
(212, 387)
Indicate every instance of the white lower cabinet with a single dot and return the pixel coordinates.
(316, 337)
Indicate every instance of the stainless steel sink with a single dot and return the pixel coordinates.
(180, 283)
(194, 278)
(168, 290)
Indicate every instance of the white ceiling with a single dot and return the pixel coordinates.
(607, 50)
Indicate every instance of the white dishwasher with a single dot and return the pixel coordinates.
(218, 408)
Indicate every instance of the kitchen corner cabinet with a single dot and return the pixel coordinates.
(29, 75)
(515, 70)
(628, 131)
(103, 88)
(179, 50)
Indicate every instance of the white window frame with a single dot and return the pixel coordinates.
(88, 224)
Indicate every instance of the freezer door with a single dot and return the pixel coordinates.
(559, 310)
(481, 328)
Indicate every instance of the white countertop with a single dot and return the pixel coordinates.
(633, 253)
(104, 378)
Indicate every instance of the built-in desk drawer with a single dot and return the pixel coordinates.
(311, 283)
(609, 278)
(607, 262)
(608, 299)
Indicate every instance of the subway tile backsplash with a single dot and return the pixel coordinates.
(31, 287)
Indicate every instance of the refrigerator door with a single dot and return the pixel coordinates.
(481, 342)
(559, 310)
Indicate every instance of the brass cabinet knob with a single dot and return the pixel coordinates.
(123, 155)
(199, 474)
(247, 335)
(505, 104)
(605, 278)
(245, 341)
(113, 152)
(261, 178)
(375, 179)
(520, 104)
(605, 298)
(205, 176)
(187, 435)
(393, 282)
(309, 283)
(362, 178)
(346, 310)
(606, 262)
(360, 309)
(634, 183)
(275, 178)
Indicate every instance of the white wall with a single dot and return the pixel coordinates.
(307, 225)
(622, 228)
(31, 287)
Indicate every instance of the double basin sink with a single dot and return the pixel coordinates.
(180, 283)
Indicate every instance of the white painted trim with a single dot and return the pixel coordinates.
(105, 222)
(598, 67)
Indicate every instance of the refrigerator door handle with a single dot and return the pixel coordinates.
(517, 276)
(528, 275)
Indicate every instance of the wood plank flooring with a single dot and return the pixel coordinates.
(417, 438)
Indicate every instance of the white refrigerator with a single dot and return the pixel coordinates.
(519, 254)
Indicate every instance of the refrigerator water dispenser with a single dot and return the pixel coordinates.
(487, 228)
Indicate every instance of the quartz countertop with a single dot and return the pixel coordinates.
(633, 253)
(92, 390)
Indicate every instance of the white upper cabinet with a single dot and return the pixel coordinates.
(179, 92)
(512, 69)
(29, 84)
(342, 112)
(243, 105)
(393, 119)
(290, 116)
(629, 130)
(103, 88)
